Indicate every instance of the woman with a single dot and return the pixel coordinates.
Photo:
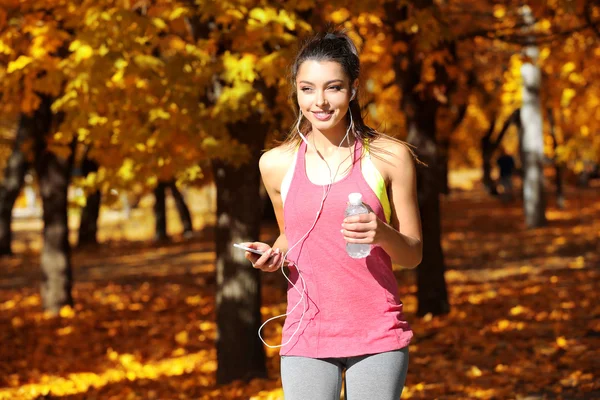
(343, 313)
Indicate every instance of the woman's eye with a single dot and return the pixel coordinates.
(306, 89)
(336, 88)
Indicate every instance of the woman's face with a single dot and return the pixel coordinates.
(323, 93)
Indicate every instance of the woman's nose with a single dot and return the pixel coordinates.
(321, 100)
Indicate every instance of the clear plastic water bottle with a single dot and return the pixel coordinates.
(356, 206)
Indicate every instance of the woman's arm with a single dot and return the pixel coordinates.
(402, 238)
(272, 172)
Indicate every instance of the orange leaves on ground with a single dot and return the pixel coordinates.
(523, 322)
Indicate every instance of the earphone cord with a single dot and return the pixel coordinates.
(326, 191)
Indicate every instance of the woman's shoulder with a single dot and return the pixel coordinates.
(391, 151)
(275, 162)
(276, 156)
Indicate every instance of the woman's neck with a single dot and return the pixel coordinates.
(329, 142)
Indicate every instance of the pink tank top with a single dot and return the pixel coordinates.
(352, 304)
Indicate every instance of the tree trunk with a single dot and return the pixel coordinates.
(14, 173)
(443, 157)
(532, 140)
(459, 112)
(420, 109)
(533, 189)
(53, 175)
(182, 208)
(160, 212)
(240, 353)
(432, 294)
(487, 150)
(560, 198)
(88, 226)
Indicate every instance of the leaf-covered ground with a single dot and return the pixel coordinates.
(525, 320)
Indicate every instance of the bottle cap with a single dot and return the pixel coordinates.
(355, 199)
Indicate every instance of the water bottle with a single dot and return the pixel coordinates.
(357, 250)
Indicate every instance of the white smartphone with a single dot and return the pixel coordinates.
(239, 246)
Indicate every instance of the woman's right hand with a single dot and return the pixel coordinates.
(270, 261)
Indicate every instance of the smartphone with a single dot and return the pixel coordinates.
(239, 246)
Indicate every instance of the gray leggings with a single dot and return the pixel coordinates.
(375, 376)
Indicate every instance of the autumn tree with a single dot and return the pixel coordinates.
(94, 70)
(248, 98)
(30, 42)
(421, 51)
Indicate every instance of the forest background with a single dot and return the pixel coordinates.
(104, 105)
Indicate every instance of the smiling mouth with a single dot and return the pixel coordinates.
(322, 115)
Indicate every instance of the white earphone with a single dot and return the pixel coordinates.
(326, 190)
(353, 96)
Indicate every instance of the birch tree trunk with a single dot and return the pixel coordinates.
(532, 140)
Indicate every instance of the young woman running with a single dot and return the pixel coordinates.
(344, 313)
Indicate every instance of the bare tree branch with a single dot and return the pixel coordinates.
(512, 119)
(531, 39)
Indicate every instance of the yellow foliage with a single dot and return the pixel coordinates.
(568, 67)
(544, 25)
(178, 12)
(567, 96)
(499, 11)
(159, 23)
(561, 342)
(5, 49)
(340, 15)
(474, 372)
(239, 68)
(146, 61)
(18, 64)
(545, 53)
(128, 63)
(67, 312)
(126, 171)
(158, 113)
(182, 337)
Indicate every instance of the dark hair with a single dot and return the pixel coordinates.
(338, 47)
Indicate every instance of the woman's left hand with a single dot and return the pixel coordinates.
(362, 228)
